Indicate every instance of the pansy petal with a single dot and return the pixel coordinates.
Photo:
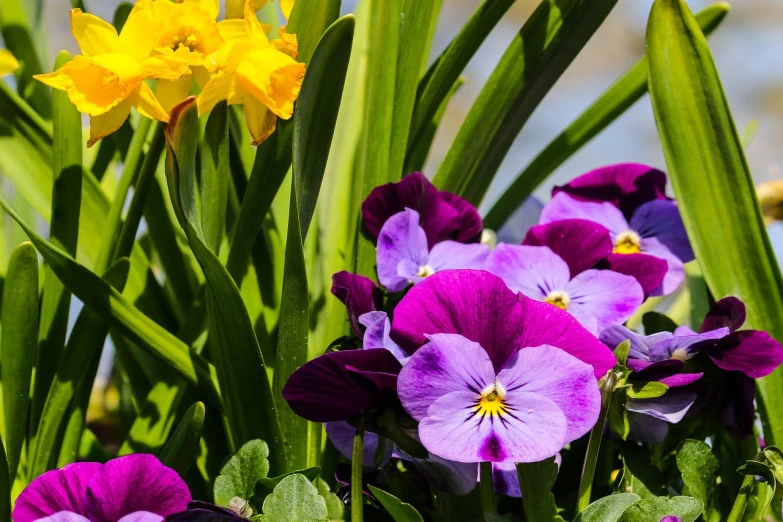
(457, 478)
(93, 35)
(661, 219)
(401, 240)
(472, 303)
(626, 186)
(377, 335)
(141, 516)
(666, 372)
(564, 206)
(526, 216)
(561, 378)
(728, 312)
(615, 334)
(610, 297)
(670, 407)
(684, 346)
(505, 479)
(324, 390)
(580, 243)
(469, 221)
(65, 516)
(359, 294)
(738, 415)
(448, 363)
(751, 352)
(675, 274)
(135, 483)
(646, 428)
(199, 511)
(341, 434)
(533, 429)
(547, 324)
(533, 270)
(54, 491)
(648, 270)
(450, 255)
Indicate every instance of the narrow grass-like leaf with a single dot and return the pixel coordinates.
(64, 233)
(180, 450)
(541, 51)
(316, 114)
(400, 511)
(238, 360)
(623, 93)
(215, 177)
(443, 74)
(5, 487)
(19, 340)
(712, 181)
(308, 20)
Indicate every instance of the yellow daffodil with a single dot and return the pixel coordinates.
(107, 79)
(8, 62)
(235, 8)
(262, 76)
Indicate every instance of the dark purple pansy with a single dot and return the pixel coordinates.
(480, 307)
(444, 216)
(198, 511)
(627, 186)
(359, 295)
(134, 488)
(338, 386)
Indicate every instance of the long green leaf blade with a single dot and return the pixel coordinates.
(215, 177)
(608, 107)
(542, 50)
(179, 452)
(714, 187)
(19, 340)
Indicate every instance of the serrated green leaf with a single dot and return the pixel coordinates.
(19, 318)
(541, 51)
(712, 181)
(239, 475)
(656, 322)
(623, 93)
(265, 485)
(399, 510)
(608, 509)
(640, 475)
(180, 450)
(536, 480)
(334, 506)
(687, 509)
(294, 499)
(700, 471)
(646, 390)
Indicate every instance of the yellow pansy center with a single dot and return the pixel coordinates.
(558, 298)
(425, 271)
(680, 354)
(627, 242)
(492, 401)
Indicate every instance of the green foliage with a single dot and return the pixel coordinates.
(656, 322)
(687, 509)
(180, 450)
(239, 475)
(608, 509)
(536, 480)
(700, 472)
(399, 510)
(294, 499)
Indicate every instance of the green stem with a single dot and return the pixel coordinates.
(594, 444)
(357, 499)
(743, 497)
(488, 499)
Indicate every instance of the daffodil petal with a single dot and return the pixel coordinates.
(261, 122)
(255, 29)
(220, 87)
(287, 43)
(8, 62)
(105, 124)
(172, 92)
(211, 7)
(160, 67)
(286, 6)
(148, 105)
(135, 38)
(93, 35)
(232, 30)
(272, 77)
(201, 75)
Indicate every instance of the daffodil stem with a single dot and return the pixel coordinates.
(357, 500)
(594, 444)
(741, 503)
(488, 499)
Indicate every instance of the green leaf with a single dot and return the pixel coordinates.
(399, 510)
(608, 509)
(712, 181)
(180, 450)
(5, 487)
(536, 480)
(238, 361)
(294, 499)
(640, 475)
(756, 468)
(656, 322)
(444, 72)
(239, 475)
(622, 351)
(308, 21)
(215, 177)
(687, 509)
(19, 339)
(700, 471)
(618, 414)
(541, 51)
(623, 93)
(334, 506)
(265, 485)
(646, 390)
(316, 114)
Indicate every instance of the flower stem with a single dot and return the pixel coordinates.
(594, 444)
(357, 457)
(488, 499)
(741, 503)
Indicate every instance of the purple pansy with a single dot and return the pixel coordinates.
(134, 488)
(670, 518)
(444, 216)
(541, 399)
(359, 295)
(377, 335)
(584, 244)
(404, 258)
(596, 298)
(198, 511)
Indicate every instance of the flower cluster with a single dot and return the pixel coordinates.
(493, 353)
(184, 48)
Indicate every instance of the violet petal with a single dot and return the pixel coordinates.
(579, 242)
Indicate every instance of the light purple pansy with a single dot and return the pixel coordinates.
(444, 216)
(540, 399)
(655, 228)
(403, 257)
(376, 335)
(596, 298)
(670, 518)
(134, 488)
